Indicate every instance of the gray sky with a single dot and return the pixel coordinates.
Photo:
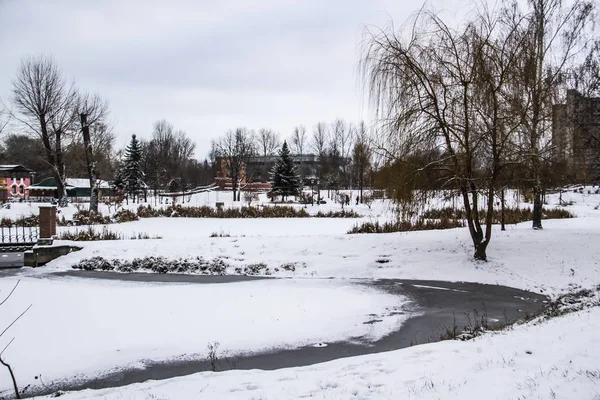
(206, 66)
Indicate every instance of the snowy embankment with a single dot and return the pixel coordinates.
(549, 261)
(554, 359)
(89, 327)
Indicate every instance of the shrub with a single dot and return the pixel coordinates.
(162, 265)
(221, 234)
(405, 226)
(125, 215)
(28, 221)
(511, 215)
(305, 198)
(338, 214)
(249, 197)
(86, 217)
(148, 212)
(91, 234)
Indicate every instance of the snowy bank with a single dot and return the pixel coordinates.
(553, 359)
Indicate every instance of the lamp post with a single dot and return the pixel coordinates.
(31, 176)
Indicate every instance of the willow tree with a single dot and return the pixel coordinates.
(439, 90)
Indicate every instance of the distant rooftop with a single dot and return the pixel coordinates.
(14, 168)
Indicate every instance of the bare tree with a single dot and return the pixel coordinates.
(361, 156)
(585, 76)
(299, 143)
(319, 139)
(232, 151)
(167, 155)
(438, 91)
(2, 359)
(4, 117)
(92, 111)
(46, 105)
(268, 142)
(556, 33)
(340, 147)
(319, 146)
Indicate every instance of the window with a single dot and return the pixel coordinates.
(14, 189)
(21, 189)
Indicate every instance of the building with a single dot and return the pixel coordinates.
(77, 189)
(572, 124)
(14, 181)
(255, 173)
(258, 168)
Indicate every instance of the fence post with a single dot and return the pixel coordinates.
(47, 221)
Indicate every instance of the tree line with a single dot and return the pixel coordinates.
(343, 153)
(55, 129)
(58, 131)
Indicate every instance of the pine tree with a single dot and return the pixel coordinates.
(284, 176)
(131, 175)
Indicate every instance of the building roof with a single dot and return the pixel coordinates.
(14, 168)
(85, 183)
(72, 183)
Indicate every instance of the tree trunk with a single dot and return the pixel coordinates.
(502, 205)
(91, 165)
(473, 224)
(537, 207)
(480, 253)
(51, 156)
(60, 172)
(361, 184)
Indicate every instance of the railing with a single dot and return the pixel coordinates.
(18, 236)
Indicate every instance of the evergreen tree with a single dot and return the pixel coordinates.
(131, 174)
(284, 176)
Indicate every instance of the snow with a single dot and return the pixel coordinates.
(80, 327)
(515, 364)
(209, 198)
(547, 261)
(76, 326)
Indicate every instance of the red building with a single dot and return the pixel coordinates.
(14, 182)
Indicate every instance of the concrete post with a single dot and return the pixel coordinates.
(47, 221)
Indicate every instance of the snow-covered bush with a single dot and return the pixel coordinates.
(162, 265)
(86, 217)
(125, 215)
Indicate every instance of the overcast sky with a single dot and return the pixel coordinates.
(206, 66)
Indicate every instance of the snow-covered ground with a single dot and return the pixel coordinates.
(557, 359)
(91, 326)
(86, 327)
(564, 253)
